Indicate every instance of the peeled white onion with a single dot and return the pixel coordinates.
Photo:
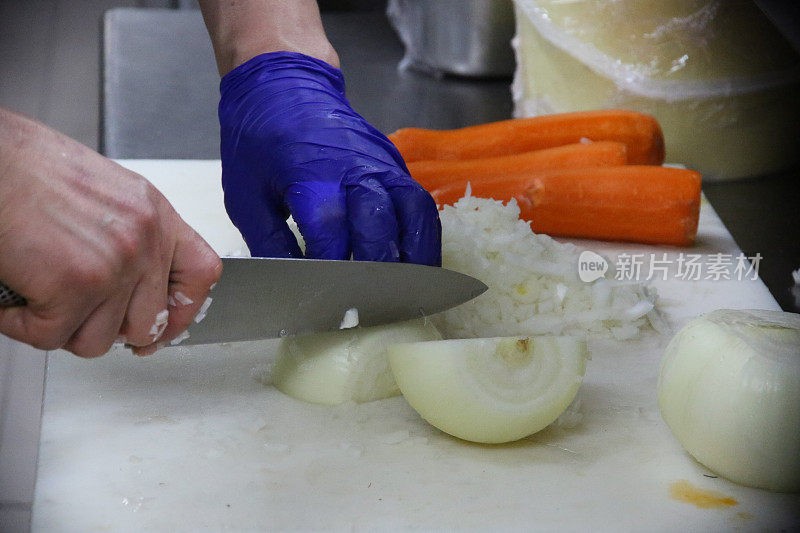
(729, 389)
(347, 365)
(490, 390)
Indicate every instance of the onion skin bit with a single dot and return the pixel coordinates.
(729, 390)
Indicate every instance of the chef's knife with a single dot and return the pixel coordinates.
(258, 298)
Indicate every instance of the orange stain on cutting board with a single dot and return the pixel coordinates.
(683, 491)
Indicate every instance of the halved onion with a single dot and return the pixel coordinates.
(490, 390)
(729, 389)
(347, 365)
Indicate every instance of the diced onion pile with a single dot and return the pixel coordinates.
(533, 281)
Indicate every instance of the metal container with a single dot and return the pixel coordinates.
(461, 37)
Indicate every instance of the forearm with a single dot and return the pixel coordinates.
(243, 29)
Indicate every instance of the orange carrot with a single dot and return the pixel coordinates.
(637, 203)
(639, 132)
(434, 174)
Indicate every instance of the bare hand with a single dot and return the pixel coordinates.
(95, 249)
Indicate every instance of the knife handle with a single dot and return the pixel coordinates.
(9, 298)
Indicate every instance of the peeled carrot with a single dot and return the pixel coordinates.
(639, 132)
(434, 174)
(637, 203)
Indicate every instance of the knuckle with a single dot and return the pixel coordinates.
(205, 266)
(145, 217)
(142, 211)
(143, 222)
(90, 273)
(138, 231)
(421, 199)
(127, 244)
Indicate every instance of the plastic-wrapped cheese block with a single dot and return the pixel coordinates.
(721, 80)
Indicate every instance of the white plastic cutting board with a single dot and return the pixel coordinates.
(190, 440)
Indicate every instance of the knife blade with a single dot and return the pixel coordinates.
(260, 298)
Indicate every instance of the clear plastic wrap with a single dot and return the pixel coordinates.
(723, 83)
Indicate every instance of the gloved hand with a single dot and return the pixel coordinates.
(291, 143)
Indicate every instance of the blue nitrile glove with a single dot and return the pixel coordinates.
(291, 143)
